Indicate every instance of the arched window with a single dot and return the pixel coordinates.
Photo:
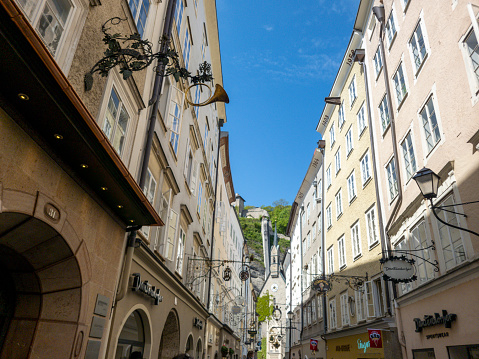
(131, 342)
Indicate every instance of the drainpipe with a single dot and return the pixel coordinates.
(323, 249)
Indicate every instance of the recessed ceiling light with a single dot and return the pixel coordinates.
(23, 97)
(58, 137)
(83, 165)
(120, 206)
(104, 188)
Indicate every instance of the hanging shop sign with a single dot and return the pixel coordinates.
(313, 345)
(198, 323)
(398, 269)
(321, 285)
(146, 288)
(227, 274)
(375, 338)
(430, 321)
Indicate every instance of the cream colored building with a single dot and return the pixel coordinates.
(425, 74)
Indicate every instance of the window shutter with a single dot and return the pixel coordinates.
(176, 96)
(473, 9)
(369, 299)
(185, 171)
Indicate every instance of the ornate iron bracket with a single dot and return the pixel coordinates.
(131, 53)
(408, 252)
(324, 283)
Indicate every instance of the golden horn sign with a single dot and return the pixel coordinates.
(220, 95)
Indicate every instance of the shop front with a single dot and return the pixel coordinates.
(354, 347)
(443, 325)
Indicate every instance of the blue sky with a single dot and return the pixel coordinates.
(279, 62)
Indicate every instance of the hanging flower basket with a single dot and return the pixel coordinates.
(231, 351)
(224, 351)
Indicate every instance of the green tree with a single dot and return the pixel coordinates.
(264, 308)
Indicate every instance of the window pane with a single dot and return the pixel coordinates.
(473, 52)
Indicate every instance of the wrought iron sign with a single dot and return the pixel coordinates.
(132, 53)
(146, 288)
(198, 323)
(323, 284)
(227, 274)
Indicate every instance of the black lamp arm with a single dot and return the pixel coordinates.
(448, 224)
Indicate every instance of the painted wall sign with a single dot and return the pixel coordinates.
(343, 348)
(398, 269)
(430, 320)
(363, 345)
(145, 288)
(437, 335)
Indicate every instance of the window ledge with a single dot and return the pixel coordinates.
(349, 153)
(392, 41)
(402, 101)
(359, 256)
(373, 245)
(352, 199)
(416, 75)
(362, 132)
(367, 182)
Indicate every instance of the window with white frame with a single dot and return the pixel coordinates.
(392, 179)
(372, 228)
(400, 84)
(360, 304)
(308, 211)
(351, 187)
(304, 246)
(452, 244)
(328, 177)
(337, 160)
(49, 18)
(191, 169)
(356, 240)
(332, 137)
(186, 48)
(179, 15)
(344, 309)
(341, 115)
(197, 100)
(318, 224)
(349, 140)
(329, 221)
(471, 49)
(313, 310)
(204, 44)
(308, 238)
(149, 189)
(339, 204)
(174, 116)
(401, 245)
(408, 156)
(313, 232)
(115, 125)
(379, 296)
(199, 199)
(378, 63)
(330, 260)
(205, 137)
(180, 252)
(332, 314)
(430, 126)
(139, 11)
(417, 46)
(341, 252)
(361, 120)
(170, 239)
(390, 29)
(320, 307)
(365, 169)
(418, 243)
(384, 113)
(352, 91)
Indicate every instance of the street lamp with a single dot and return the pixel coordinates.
(290, 315)
(428, 183)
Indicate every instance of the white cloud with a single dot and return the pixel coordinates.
(268, 27)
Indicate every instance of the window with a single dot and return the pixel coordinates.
(341, 253)
(351, 187)
(186, 48)
(369, 299)
(197, 100)
(149, 189)
(49, 18)
(390, 29)
(360, 304)
(418, 47)
(179, 15)
(204, 44)
(372, 228)
(205, 139)
(400, 84)
(384, 113)
(328, 177)
(199, 199)
(180, 252)
(313, 232)
(392, 179)
(139, 10)
(308, 211)
(309, 239)
(191, 169)
(471, 49)
(329, 222)
(339, 204)
(452, 244)
(341, 115)
(409, 158)
(116, 122)
(356, 240)
(332, 314)
(378, 64)
(332, 137)
(304, 246)
(337, 160)
(175, 113)
(318, 224)
(172, 224)
(313, 310)
(352, 91)
(344, 309)
(365, 171)
(379, 297)
(320, 307)
(361, 120)
(402, 246)
(418, 241)
(430, 126)
(330, 260)
(349, 140)
(132, 336)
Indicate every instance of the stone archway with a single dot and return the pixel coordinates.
(189, 346)
(46, 292)
(170, 337)
(199, 350)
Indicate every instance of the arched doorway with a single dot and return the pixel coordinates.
(199, 352)
(131, 343)
(42, 287)
(170, 337)
(189, 346)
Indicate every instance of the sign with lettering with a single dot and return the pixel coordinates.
(430, 320)
(437, 335)
(52, 212)
(398, 269)
(343, 348)
(321, 285)
(363, 345)
(146, 288)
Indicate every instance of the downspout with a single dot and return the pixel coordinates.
(146, 154)
(323, 249)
